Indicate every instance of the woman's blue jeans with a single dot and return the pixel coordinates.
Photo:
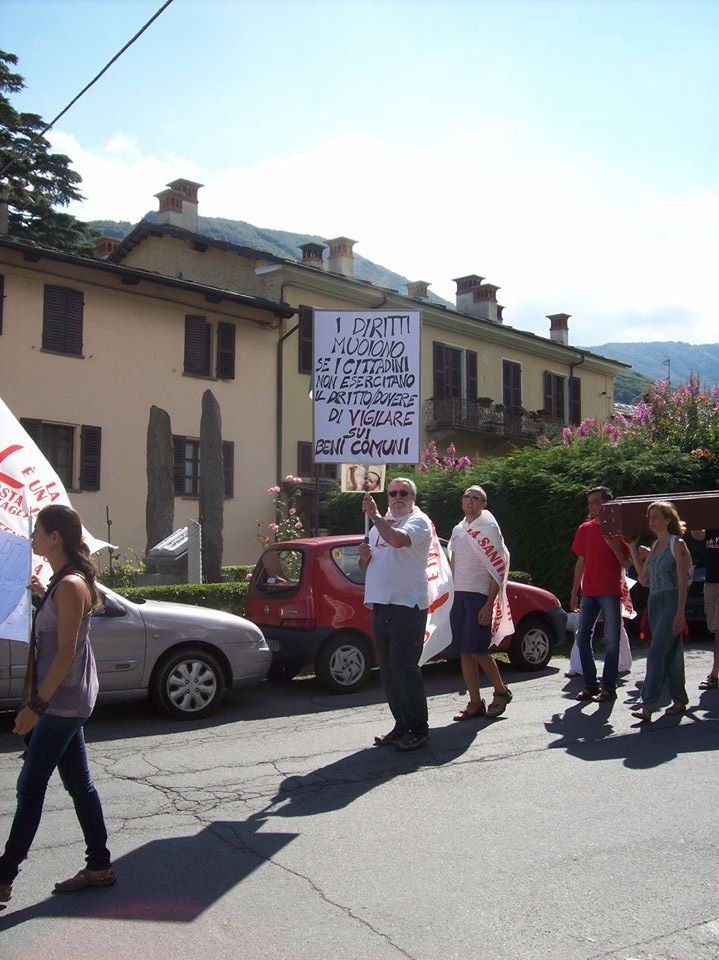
(55, 742)
(589, 610)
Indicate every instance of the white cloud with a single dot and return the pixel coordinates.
(554, 229)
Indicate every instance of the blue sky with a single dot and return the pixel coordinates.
(564, 150)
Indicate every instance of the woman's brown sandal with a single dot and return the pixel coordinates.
(471, 711)
(499, 703)
(86, 878)
(643, 715)
(5, 892)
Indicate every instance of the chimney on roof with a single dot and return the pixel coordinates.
(559, 327)
(341, 259)
(312, 254)
(418, 289)
(4, 208)
(178, 204)
(105, 246)
(477, 299)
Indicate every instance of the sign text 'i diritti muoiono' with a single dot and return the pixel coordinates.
(366, 386)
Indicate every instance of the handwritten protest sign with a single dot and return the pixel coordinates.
(366, 386)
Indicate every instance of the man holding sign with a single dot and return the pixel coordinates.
(397, 591)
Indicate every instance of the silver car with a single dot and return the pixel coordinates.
(185, 657)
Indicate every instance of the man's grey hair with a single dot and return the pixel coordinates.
(410, 483)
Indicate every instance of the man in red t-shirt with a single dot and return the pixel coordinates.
(598, 574)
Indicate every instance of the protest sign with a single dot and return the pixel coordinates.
(366, 386)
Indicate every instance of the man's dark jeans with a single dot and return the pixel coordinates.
(399, 632)
(55, 742)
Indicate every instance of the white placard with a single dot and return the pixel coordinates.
(366, 386)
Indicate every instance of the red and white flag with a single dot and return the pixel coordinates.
(438, 633)
(27, 484)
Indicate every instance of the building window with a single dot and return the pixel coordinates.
(72, 451)
(62, 320)
(306, 464)
(304, 347)
(2, 298)
(511, 383)
(198, 348)
(554, 395)
(187, 466)
(454, 373)
(575, 400)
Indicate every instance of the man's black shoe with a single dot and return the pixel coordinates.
(392, 737)
(411, 740)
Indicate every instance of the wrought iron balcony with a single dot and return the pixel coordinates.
(487, 419)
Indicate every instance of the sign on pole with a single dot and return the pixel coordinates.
(366, 386)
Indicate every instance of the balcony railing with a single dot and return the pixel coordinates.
(471, 415)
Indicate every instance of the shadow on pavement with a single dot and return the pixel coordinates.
(171, 880)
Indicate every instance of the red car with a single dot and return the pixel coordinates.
(307, 596)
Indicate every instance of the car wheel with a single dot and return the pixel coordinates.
(531, 645)
(343, 663)
(283, 671)
(188, 684)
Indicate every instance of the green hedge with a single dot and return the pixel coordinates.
(230, 597)
(538, 497)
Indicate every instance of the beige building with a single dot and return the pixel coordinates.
(87, 347)
(485, 385)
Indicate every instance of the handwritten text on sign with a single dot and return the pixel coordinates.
(366, 386)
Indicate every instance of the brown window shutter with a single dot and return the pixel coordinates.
(90, 446)
(575, 400)
(178, 446)
(438, 370)
(228, 464)
(471, 375)
(197, 346)
(304, 354)
(226, 351)
(62, 320)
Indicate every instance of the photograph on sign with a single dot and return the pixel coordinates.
(362, 477)
(366, 386)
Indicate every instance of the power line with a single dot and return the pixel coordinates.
(84, 90)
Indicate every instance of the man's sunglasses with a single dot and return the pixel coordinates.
(470, 496)
(398, 493)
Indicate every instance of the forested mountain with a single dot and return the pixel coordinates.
(650, 359)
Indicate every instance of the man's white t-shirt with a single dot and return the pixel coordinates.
(399, 574)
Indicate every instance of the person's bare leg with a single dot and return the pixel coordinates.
(489, 666)
(470, 674)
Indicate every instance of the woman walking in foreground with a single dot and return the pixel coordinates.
(665, 570)
(61, 690)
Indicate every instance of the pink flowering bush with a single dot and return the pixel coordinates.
(287, 524)
(685, 417)
(430, 459)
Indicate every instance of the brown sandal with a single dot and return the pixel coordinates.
(471, 711)
(643, 715)
(86, 878)
(675, 710)
(5, 892)
(499, 703)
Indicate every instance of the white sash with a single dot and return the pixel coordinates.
(489, 548)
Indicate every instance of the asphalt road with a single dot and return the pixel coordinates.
(274, 831)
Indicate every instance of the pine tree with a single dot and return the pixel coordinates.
(38, 179)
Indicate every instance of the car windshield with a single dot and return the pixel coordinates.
(279, 569)
(346, 558)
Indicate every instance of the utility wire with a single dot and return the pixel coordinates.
(94, 80)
